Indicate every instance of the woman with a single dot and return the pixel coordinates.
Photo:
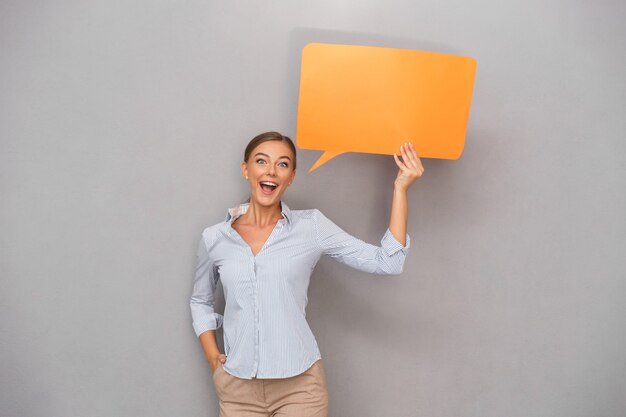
(264, 254)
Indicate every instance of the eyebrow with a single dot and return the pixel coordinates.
(261, 153)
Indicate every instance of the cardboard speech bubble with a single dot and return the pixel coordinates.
(373, 99)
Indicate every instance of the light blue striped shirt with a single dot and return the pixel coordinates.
(266, 334)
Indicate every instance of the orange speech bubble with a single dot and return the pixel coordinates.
(372, 100)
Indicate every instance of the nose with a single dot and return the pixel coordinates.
(271, 170)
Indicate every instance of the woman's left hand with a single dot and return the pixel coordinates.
(410, 167)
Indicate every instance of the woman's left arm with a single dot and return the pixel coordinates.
(410, 170)
(388, 258)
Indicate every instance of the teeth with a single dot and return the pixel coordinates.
(269, 183)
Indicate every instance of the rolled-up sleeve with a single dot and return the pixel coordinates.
(386, 259)
(202, 299)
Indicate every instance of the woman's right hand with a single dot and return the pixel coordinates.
(217, 361)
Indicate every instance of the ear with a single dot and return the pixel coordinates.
(244, 170)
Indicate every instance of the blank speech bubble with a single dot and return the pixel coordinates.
(372, 100)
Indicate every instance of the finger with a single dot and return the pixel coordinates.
(404, 152)
(402, 159)
(398, 162)
(416, 158)
(406, 158)
(411, 157)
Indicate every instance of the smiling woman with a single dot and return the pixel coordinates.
(264, 253)
(269, 164)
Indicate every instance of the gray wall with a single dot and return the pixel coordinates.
(122, 126)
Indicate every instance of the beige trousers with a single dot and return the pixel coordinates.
(304, 395)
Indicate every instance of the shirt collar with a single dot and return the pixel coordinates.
(237, 211)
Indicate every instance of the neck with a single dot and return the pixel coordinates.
(262, 216)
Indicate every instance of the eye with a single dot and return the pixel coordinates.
(284, 164)
(260, 161)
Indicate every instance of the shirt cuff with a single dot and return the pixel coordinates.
(210, 322)
(392, 245)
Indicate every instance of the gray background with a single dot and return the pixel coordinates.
(122, 128)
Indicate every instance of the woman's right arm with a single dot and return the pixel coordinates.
(211, 351)
(202, 302)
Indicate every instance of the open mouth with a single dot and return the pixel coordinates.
(268, 187)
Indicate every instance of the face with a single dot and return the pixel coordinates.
(269, 171)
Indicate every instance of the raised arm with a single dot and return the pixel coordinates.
(410, 169)
(389, 257)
